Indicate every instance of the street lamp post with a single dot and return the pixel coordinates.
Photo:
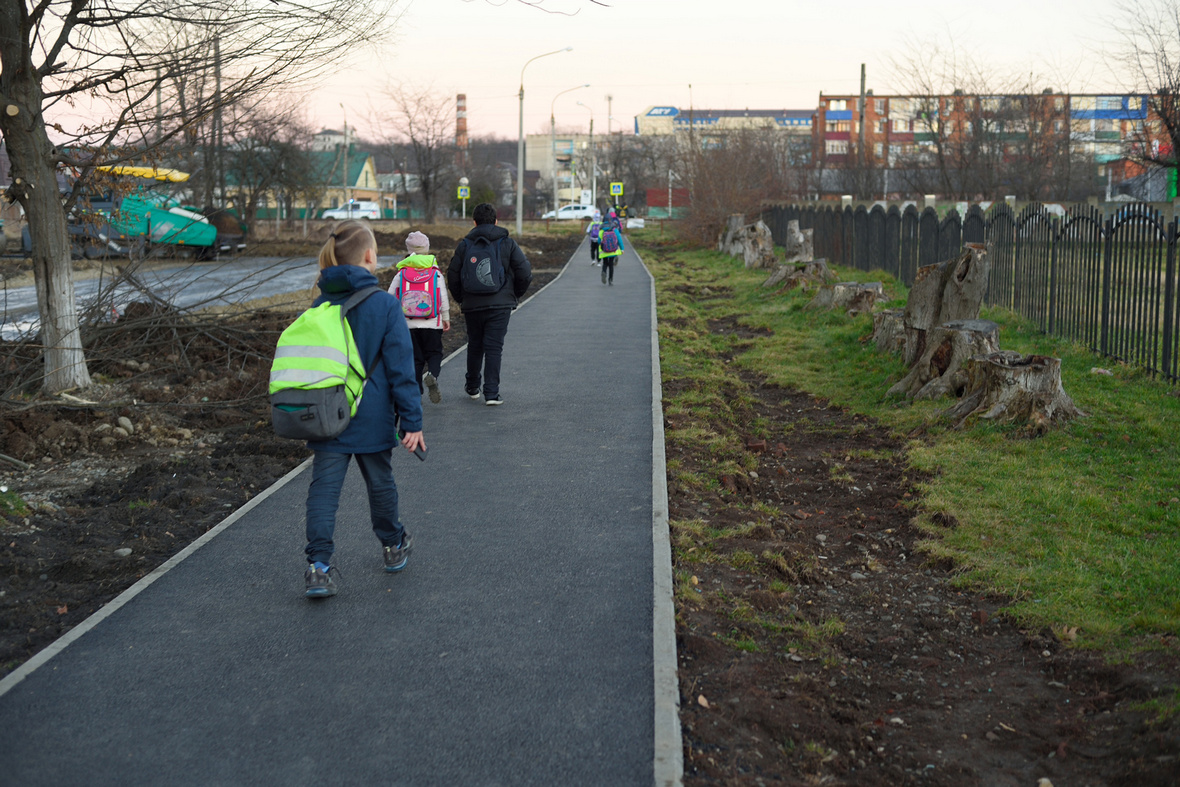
(593, 161)
(520, 143)
(553, 142)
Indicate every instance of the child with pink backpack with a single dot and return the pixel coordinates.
(420, 287)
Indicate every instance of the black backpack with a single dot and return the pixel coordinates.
(483, 271)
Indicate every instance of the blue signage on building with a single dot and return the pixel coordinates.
(663, 112)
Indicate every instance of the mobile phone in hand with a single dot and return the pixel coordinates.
(418, 452)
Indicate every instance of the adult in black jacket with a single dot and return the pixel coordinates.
(487, 315)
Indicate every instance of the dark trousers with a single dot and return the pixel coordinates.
(593, 249)
(428, 352)
(485, 347)
(608, 267)
(323, 498)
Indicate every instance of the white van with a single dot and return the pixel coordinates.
(356, 209)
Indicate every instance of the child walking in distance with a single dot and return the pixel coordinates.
(610, 247)
(347, 264)
(593, 231)
(420, 288)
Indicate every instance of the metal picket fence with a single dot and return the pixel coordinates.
(1105, 280)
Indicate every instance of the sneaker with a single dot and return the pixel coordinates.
(396, 557)
(431, 384)
(604, 277)
(472, 392)
(611, 282)
(319, 581)
(494, 401)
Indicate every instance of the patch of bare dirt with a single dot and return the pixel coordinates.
(174, 435)
(818, 646)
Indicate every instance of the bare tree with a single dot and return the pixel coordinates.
(268, 152)
(1150, 58)
(115, 58)
(734, 174)
(423, 123)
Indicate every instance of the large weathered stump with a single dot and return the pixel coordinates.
(799, 245)
(948, 347)
(846, 294)
(804, 276)
(752, 242)
(944, 292)
(889, 331)
(1007, 387)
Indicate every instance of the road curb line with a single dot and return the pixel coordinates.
(669, 752)
(113, 606)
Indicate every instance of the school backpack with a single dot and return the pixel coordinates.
(318, 376)
(482, 272)
(595, 230)
(419, 293)
(609, 243)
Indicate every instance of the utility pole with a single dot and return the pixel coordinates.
(218, 129)
(347, 201)
(159, 108)
(860, 144)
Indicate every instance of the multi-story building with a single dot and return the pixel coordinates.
(710, 125)
(568, 158)
(961, 143)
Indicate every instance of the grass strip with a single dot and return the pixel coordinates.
(1080, 528)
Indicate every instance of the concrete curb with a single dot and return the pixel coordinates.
(669, 750)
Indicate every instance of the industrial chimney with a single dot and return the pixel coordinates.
(461, 132)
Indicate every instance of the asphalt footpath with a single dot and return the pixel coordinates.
(529, 641)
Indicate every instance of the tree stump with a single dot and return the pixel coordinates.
(804, 276)
(944, 292)
(940, 369)
(889, 331)
(1007, 387)
(800, 246)
(726, 243)
(844, 294)
(752, 242)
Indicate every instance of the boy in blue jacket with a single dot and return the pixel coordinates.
(348, 262)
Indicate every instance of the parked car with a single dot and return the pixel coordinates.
(571, 212)
(357, 209)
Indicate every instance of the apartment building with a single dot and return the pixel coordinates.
(1049, 130)
(709, 125)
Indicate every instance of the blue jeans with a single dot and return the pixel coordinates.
(485, 348)
(323, 498)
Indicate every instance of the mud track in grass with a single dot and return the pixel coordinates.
(818, 646)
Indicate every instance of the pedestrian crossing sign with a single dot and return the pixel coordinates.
(616, 189)
(464, 192)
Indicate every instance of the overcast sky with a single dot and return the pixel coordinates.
(763, 54)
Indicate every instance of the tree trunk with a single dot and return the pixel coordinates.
(845, 294)
(943, 292)
(889, 331)
(940, 369)
(805, 276)
(1007, 387)
(799, 243)
(34, 185)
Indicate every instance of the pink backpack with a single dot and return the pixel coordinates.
(419, 293)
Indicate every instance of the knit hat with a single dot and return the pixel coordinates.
(417, 243)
